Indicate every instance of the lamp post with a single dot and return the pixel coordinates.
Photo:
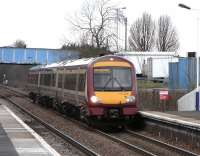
(125, 22)
(197, 56)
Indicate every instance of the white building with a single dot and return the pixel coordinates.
(151, 64)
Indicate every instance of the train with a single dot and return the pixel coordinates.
(96, 90)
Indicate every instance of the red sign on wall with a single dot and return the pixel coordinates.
(164, 95)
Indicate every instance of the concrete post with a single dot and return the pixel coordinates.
(47, 57)
(25, 61)
(2, 53)
(36, 55)
(13, 60)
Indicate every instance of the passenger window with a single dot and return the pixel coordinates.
(70, 81)
(60, 77)
(47, 79)
(41, 79)
(81, 84)
(53, 79)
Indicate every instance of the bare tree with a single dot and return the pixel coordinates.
(142, 32)
(167, 38)
(20, 44)
(96, 21)
(85, 39)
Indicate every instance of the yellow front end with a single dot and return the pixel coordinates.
(114, 95)
(113, 98)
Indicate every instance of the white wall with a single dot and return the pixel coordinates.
(160, 66)
(160, 61)
(187, 102)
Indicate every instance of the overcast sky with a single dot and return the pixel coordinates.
(42, 23)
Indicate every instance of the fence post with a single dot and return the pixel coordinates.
(13, 61)
(2, 53)
(36, 55)
(197, 101)
(25, 61)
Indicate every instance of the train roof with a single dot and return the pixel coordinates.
(71, 63)
(65, 63)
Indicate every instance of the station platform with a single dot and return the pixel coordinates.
(18, 139)
(187, 119)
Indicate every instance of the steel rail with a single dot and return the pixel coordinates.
(126, 144)
(160, 143)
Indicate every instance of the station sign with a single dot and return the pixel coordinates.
(164, 95)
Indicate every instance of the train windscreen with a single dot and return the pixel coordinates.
(112, 79)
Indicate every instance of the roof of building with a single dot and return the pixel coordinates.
(142, 53)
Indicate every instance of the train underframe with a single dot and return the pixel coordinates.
(112, 115)
(102, 115)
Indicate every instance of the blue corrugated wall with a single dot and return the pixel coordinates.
(35, 55)
(173, 75)
(182, 74)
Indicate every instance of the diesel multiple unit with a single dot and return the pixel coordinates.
(94, 89)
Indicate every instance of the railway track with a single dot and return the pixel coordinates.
(129, 139)
(174, 149)
(65, 137)
(140, 150)
(135, 148)
(75, 143)
(146, 148)
(149, 147)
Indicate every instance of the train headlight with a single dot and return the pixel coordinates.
(95, 99)
(130, 99)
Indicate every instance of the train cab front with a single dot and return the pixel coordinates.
(113, 92)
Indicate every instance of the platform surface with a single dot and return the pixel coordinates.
(190, 119)
(18, 139)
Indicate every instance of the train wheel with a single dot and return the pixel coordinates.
(50, 102)
(39, 100)
(57, 105)
(30, 95)
(33, 96)
(71, 111)
(64, 108)
(83, 113)
(54, 103)
(46, 102)
(43, 101)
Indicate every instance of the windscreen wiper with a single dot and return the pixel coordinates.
(121, 87)
(107, 83)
